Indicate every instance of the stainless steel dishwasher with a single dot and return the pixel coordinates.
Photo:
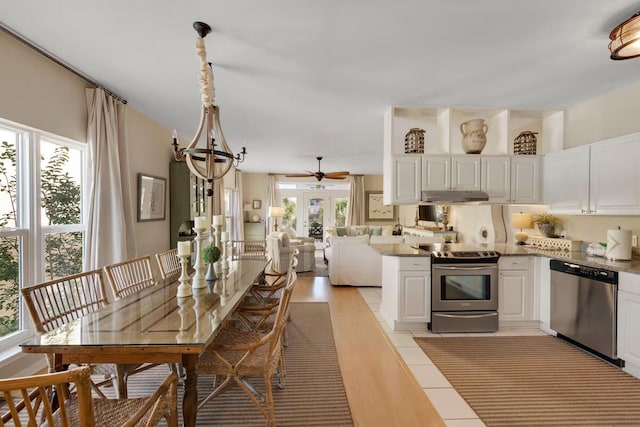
(584, 303)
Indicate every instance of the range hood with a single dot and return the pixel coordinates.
(454, 196)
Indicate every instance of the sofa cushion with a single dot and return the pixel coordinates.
(375, 231)
(378, 240)
(351, 240)
(387, 230)
(290, 232)
(359, 230)
(341, 231)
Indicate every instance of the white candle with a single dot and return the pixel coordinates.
(218, 220)
(224, 236)
(200, 222)
(184, 248)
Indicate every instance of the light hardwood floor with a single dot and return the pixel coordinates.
(380, 389)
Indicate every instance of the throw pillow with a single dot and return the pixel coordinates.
(360, 230)
(375, 231)
(341, 231)
(387, 230)
(291, 232)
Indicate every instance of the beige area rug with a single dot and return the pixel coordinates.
(314, 394)
(535, 381)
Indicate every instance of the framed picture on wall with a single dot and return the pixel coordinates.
(376, 210)
(152, 192)
(257, 204)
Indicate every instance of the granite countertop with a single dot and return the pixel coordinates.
(633, 266)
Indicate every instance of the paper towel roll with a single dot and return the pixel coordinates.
(618, 244)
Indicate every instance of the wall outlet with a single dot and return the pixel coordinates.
(634, 241)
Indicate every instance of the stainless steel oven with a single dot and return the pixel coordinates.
(464, 290)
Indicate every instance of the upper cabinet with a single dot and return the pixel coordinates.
(601, 178)
(446, 166)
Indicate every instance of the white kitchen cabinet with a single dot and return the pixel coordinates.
(406, 180)
(406, 292)
(515, 289)
(615, 176)
(628, 321)
(436, 173)
(460, 173)
(544, 293)
(601, 178)
(465, 173)
(511, 179)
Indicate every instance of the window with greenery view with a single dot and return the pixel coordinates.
(41, 231)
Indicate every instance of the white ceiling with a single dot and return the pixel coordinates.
(300, 78)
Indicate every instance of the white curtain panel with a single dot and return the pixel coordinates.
(271, 199)
(109, 216)
(238, 208)
(355, 215)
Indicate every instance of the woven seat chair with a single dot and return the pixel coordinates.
(248, 249)
(238, 354)
(169, 264)
(57, 302)
(131, 276)
(29, 401)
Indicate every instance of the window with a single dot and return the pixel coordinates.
(41, 230)
(290, 205)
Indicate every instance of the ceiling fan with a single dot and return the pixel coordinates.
(319, 174)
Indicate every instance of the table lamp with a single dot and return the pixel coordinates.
(521, 220)
(276, 212)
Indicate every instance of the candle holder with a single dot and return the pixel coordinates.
(199, 278)
(184, 289)
(225, 261)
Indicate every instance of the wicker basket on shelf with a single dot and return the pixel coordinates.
(525, 143)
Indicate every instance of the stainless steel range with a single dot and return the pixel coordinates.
(464, 288)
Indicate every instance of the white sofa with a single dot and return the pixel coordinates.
(353, 262)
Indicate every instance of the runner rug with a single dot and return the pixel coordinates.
(314, 394)
(535, 381)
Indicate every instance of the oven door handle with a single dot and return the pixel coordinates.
(466, 268)
(466, 316)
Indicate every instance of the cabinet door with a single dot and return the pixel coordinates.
(414, 296)
(436, 173)
(628, 331)
(465, 173)
(515, 297)
(566, 181)
(406, 180)
(525, 179)
(615, 177)
(495, 177)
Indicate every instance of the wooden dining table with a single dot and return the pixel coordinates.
(153, 326)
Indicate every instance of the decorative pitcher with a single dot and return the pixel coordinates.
(474, 136)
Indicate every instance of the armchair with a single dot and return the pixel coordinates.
(279, 248)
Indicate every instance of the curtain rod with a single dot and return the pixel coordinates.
(58, 61)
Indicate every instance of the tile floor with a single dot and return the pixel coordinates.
(450, 405)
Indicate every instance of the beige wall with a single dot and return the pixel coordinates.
(39, 93)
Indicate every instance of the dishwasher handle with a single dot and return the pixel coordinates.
(593, 273)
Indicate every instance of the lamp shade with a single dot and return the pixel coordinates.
(276, 211)
(521, 220)
(625, 39)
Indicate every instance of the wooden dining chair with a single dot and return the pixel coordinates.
(57, 302)
(29, 400)
(169, 264)
(238, 354)
(131, 276)
(248, 249)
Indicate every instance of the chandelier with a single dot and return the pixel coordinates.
(215, 159)
(625, 39)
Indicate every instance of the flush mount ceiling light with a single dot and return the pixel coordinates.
(625, 39)
(212, 158)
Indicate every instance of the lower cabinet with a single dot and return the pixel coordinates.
(628, 321)
(406, 292)
(515, 289)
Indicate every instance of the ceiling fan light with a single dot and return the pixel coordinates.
(625, 39)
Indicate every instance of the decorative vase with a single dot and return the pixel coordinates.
(474, 136)
(547, 230)
(414, 141)
(211, 274)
